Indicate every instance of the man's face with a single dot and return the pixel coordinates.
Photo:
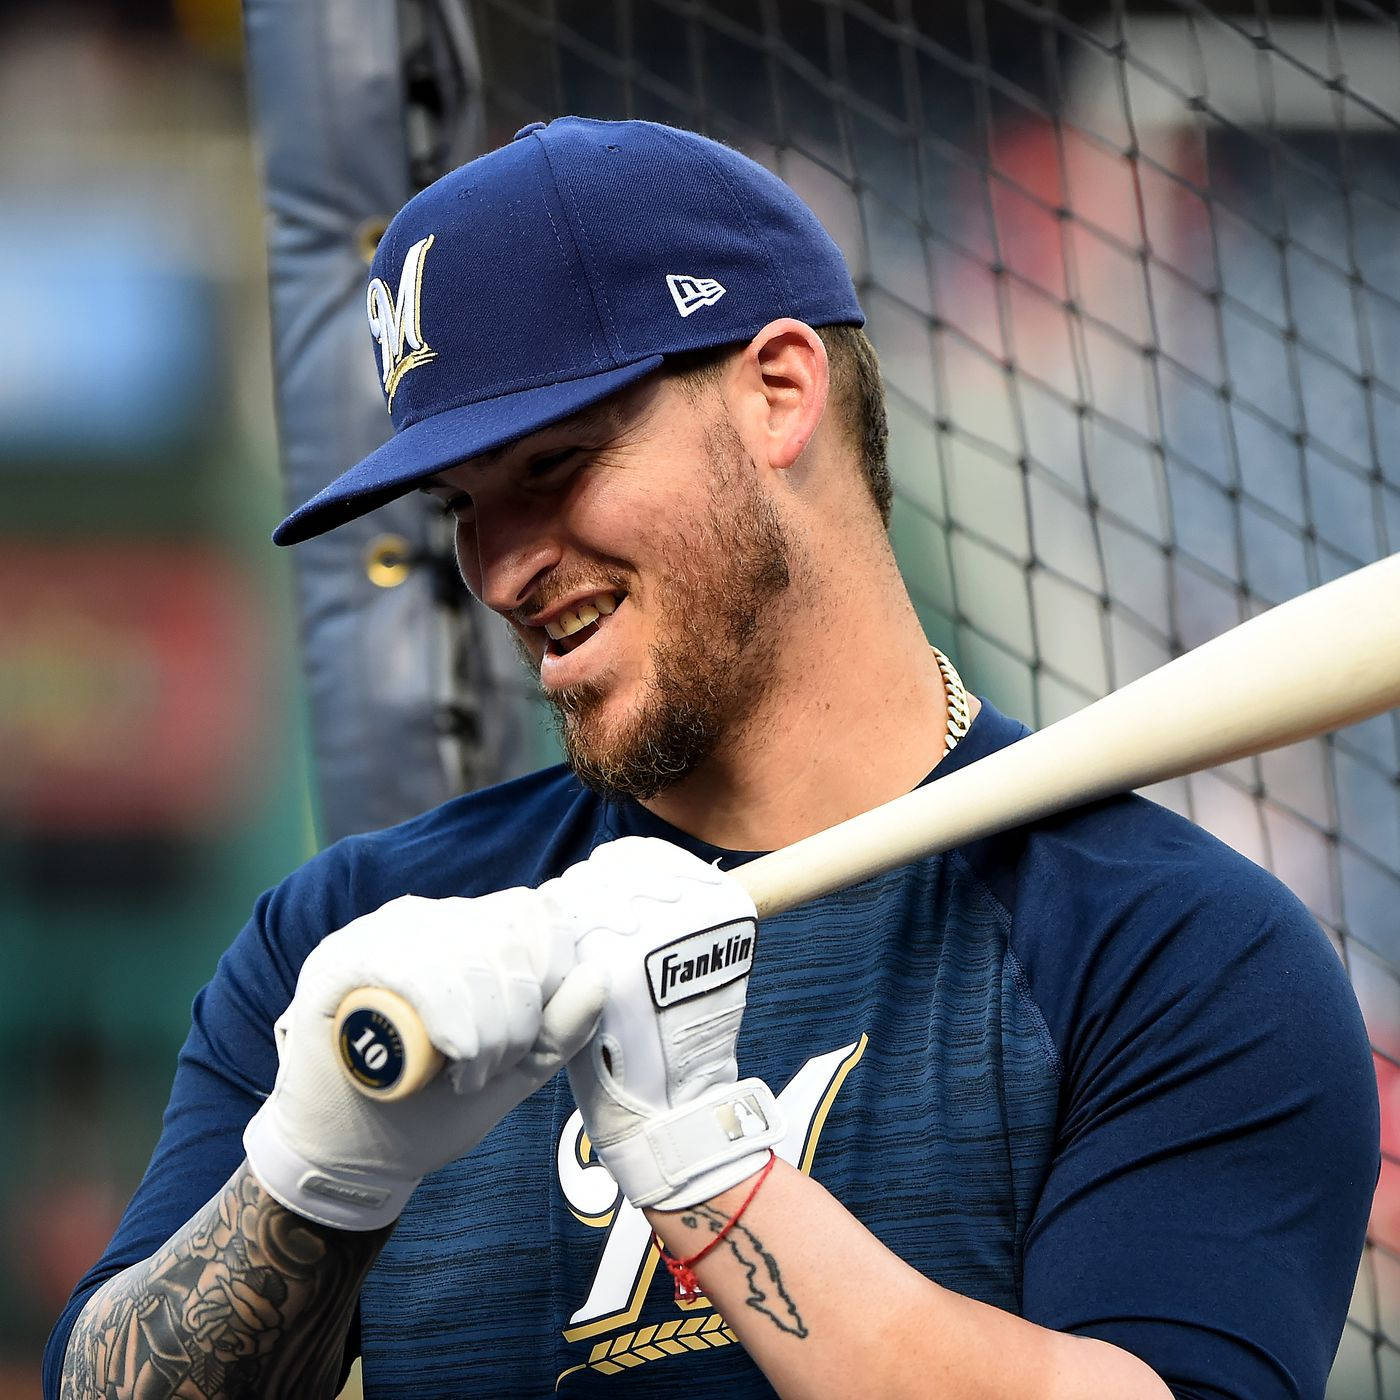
(640, 563)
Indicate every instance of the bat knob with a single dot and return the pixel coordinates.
(383, 1048)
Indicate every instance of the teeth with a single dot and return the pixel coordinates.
(567, 623)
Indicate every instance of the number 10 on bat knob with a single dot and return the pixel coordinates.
(382, 1045)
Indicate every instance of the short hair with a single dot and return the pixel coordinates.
(857, 398)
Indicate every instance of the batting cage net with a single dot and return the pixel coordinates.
(1133, 272)
(1134, 277)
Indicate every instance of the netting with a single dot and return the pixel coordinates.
(1134, 277)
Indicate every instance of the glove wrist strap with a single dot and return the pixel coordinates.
(697, 1150)
(343, 1198)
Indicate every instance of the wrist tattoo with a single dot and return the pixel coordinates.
(248, 1299)
(767, 1293)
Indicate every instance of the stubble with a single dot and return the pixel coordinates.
(714, 658)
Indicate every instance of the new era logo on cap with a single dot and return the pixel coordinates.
(691, 293)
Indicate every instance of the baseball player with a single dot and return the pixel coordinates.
(1083, 1109)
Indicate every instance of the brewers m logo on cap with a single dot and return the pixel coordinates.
(395, 321)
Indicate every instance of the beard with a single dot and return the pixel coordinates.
(717, 583)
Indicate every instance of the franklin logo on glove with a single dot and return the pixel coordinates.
(700, 962)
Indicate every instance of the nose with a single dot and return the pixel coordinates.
(504, 552)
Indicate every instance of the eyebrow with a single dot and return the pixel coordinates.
(597, 418)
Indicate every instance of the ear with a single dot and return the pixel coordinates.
(782, 390)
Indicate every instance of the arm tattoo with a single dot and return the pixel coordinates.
(766, 1292)
(248, 1299)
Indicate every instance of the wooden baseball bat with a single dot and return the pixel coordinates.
(1323, 660)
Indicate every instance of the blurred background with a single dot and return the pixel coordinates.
(152, 768)
(1134, 274)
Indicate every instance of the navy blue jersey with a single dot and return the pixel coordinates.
(1101, 1071)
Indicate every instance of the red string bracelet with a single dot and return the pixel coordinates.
(687, 1285)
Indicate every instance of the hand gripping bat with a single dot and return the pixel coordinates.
(1323, 660)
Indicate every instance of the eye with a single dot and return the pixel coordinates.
(457, 506)
(542, 468)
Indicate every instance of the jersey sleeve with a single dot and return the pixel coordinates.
(225, 1069)
(1218, 1144)
(517, 833)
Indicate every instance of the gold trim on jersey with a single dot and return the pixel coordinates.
(809, 1148)
(583, 1155)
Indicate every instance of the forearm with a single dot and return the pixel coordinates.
(248, 1299)
(826, 1310)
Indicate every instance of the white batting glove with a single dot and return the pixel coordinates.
(496, 984)
(659, 1086)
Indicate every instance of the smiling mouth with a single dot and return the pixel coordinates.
(578, 625)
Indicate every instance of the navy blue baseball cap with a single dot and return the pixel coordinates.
(550, 274)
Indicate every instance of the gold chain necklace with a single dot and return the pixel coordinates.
(955, 696)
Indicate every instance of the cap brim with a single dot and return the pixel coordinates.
(415, 453)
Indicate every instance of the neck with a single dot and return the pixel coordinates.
(853, 716)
